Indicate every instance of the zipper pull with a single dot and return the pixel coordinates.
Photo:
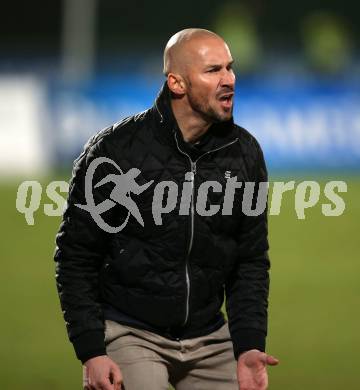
(193, 169)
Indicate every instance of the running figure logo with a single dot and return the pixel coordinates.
(125, 185)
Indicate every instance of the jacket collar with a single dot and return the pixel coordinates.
(220, 133)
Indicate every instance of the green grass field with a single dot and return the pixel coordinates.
(314, 300)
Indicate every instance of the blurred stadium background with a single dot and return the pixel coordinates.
(69, 68)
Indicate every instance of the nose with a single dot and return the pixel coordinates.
(228, 78)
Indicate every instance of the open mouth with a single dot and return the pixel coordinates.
(226, 99)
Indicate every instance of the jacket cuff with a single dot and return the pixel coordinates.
(246, 339)
(89, 345)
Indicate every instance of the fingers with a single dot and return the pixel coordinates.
(116, 378)
(112, 383)
(100, 385)
(101, 373)
(104, 384)
(268, 359)
(271, 360)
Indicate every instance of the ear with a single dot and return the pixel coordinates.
(176, 84)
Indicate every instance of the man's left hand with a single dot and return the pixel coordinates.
(251, 369)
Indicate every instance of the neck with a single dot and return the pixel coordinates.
(191, 124)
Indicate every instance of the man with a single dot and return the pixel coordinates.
(142, 304)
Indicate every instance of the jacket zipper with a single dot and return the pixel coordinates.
(192, 212)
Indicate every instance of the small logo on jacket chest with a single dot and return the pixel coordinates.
(227, 174)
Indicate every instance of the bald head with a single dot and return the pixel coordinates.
(198, 68)
(180, 51)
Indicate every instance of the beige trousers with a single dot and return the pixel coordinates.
(150, 362)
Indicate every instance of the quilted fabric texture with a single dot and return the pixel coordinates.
(147, 271)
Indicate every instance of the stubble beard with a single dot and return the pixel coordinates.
(208, 112)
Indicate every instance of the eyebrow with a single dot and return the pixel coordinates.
(211, 66)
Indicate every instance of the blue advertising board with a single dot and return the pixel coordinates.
(300, 124)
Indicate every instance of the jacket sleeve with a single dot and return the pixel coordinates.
(81, 247)
(247, 287)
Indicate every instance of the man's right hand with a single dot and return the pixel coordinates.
(101, 373)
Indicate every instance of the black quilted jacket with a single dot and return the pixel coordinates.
(170, 276)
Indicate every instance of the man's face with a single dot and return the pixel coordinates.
(210, 79)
